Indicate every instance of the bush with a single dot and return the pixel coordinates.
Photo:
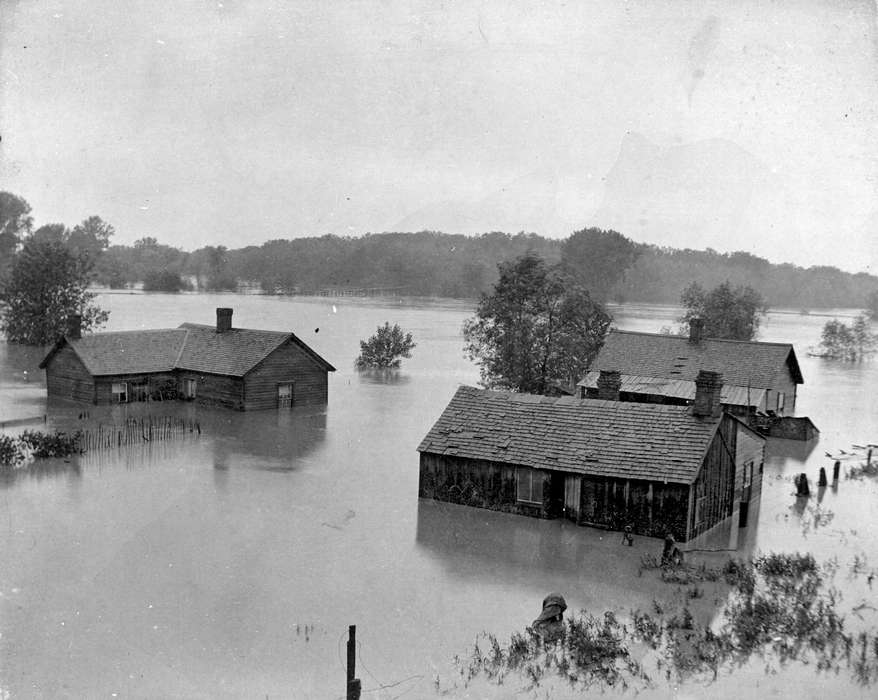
(386, 348)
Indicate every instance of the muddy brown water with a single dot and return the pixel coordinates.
(231, 564)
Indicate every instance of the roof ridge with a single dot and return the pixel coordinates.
(673, 336)
(180, 351)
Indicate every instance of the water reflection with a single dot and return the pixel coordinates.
(383, 376)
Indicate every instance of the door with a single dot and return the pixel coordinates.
(572, 496)
(189, 388)
(285, 395)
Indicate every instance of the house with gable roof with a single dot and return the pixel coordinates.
(658, 468)
(237, 368)
(757, 376)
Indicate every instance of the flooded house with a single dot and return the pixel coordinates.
(655, 367)
(238, 368)
(657, 468)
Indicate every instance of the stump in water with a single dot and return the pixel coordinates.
(822, 480)
(802, 485)
(835, 469)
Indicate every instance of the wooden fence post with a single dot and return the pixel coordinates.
(353, 684)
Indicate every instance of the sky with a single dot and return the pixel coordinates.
(738, 126)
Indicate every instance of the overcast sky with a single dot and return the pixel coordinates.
(238, 122)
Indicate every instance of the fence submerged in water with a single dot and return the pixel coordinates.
(16, 451)
(136, 431)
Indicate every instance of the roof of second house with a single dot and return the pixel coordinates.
(193, 347)
(679, 388)
(741, 362)
(603, 438)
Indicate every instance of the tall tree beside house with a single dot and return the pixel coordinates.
(386, 348)
(727, 312)
(537, 331)
(47, 283)
(15, 223)
(598, 259)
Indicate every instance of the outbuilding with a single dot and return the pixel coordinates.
(237, 368)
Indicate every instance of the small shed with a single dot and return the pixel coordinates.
(237, 368)
(655, 467)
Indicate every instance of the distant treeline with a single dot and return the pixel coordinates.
(445, 265)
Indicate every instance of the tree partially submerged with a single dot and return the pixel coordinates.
(386, 348)
(843, 342)
(48, 282)
(730, 313)
(537, 331)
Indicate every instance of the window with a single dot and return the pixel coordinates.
(530, 485)
(781, 398)
(119, 392)
(284, 395)
(189, 388)
(748, 474)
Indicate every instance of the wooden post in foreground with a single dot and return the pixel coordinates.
(353, 687)
(835, 470)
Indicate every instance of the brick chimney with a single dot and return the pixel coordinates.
(708, 386)
(696, 329)
(609, 383)
(74, 326)
(223, 320)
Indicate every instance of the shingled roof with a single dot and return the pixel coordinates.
(742, 363)
(602, 438)
(193, 347)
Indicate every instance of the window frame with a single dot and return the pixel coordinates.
(119, 396)
(529, 477)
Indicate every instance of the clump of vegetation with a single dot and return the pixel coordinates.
(778, 608)
(15, 451)
(386, 348)
(732, 313)
(843, 342)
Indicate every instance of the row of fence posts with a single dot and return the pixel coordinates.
(136, 431)
(801, 480)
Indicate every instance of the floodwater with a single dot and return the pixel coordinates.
(230, 564)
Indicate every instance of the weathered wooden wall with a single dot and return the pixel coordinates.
(477, 483)
(220, 390)
(103, 386)
(784, 382)
(651, 508)
(714, 488)
(67, 377)
(288, 363)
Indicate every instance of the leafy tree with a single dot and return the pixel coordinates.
(537, 331)
(853, 342)
(15, 223)
(598, 259)
(163, 281)
(47, 284)
(91, 237)
(729, 313)
(385, 348)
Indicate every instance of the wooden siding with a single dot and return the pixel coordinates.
(67, 377)
(785, 384)
(478, 483)
(218, 390)
(750, 448)
(153, 385)
(714, 489)
(650, 508)
(287, 364)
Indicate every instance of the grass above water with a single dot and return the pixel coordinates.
(779, 608)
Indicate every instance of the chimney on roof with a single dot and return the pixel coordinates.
(74, 326)
(223, 320)
(696, 329)
(708, 386)
(609, 383)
